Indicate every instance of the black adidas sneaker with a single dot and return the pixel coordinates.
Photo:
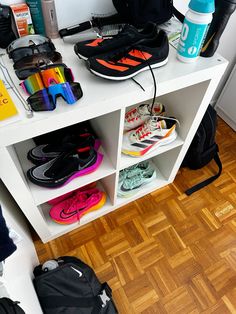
(128, 36)
(122, 65)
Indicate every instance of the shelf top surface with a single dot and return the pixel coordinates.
(102, 96)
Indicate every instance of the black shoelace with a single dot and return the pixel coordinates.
(154, 83)
(121, 33)
(123, 53)
(120, 54)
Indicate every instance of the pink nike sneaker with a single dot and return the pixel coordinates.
(63, 197)
(72, 209)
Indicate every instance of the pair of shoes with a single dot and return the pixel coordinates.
(57, 164)
(72, 206)
(66, 167)
(63, 197)
(64, 142)
(155, 132)
(126, 54)
(132, 179)
(146, 128)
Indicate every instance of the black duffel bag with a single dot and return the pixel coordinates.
(139, 12)
(72, 288)
(134, 12)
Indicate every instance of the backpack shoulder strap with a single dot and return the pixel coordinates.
(122, 7)
(10, 307)
(178, 15)
(209, 180)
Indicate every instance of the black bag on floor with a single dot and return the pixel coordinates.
(203, 148)
(7, 306)
(72, 288)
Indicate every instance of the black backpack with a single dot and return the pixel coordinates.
(139, 12)
(72, 288)
(203, 148)
(134, 12)
(6, 33)
(7, 306)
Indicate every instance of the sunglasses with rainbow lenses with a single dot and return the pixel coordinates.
(45, 99)
(51, 75)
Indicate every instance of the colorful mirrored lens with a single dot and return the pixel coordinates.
(33, 84)
(46, 78)
(64, 90)
(76, 90)
(45, 100)
(41, 101)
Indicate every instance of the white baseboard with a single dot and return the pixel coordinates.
(226, 118)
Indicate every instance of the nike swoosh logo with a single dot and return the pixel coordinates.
(65, 215)
(87, 164)
(204, 48)
(39, 171)
(79, 272)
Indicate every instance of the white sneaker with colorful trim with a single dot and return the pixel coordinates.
(155, 132)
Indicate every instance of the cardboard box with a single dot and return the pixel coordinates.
(22, 19)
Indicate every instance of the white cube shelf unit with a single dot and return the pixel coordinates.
(184, 89)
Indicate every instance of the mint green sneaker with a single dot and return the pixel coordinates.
(133, 170)
(133, 179)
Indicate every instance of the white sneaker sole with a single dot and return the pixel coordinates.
(81, 56)
(153, 66)
(164, 141)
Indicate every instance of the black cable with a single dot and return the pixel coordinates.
(154, 82)
(138, 83)
(155, 87)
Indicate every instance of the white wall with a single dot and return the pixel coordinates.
(19, 266)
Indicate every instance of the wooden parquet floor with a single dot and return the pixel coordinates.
(167, 252)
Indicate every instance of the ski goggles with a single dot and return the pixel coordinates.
(32, 64)
(19, 53)
(54, 74)
(45, 99)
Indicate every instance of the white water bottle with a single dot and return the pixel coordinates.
(194, 29)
